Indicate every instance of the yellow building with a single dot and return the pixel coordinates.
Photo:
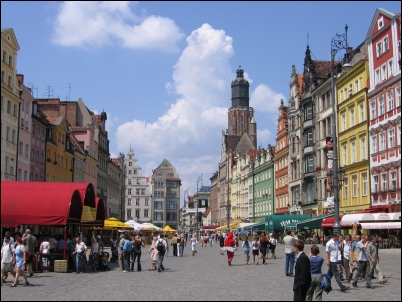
(10, 105)
(353, 133)
(59, 152)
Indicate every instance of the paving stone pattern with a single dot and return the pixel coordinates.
(205, 276)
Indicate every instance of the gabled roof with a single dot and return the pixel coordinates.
(375, 18)
(322, 69)
(5, 30)
(244, 144)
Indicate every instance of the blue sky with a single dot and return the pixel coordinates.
(162, 70)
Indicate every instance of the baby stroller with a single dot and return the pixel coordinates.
(115, 256)
(104, 261)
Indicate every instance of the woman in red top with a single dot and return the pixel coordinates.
(229, 242)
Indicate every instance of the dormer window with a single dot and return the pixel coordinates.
(380, 23)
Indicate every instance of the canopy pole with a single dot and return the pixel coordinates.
(65, 243)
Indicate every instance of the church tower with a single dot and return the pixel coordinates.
(241, 115)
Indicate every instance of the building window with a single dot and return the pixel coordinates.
(345, 188)
(309, 163)
(364, 184)
(21, 151)
(382, 141)
(171, 216)
(142, 191)
(3, 76)
(385, 44)
(137, 213)
(308, 137)
(27, 150)
(383, 72)
(158, 205)
(308, 111)
(130, 164)
(374, 144)
(375, 184)
(146, 201)
(379, 48)
(129, 201)
(398, 96)
(343, 117)
(354, 181)
(390, 100)
(352, 117)
(363, 148)
(390, 66)
(146, 213)
(381, 109)
(8, 133)
(137, 201)
(171, 205)
(10, 61)
(9, 81)
(357, 86)
(128, 191)
(19, 174)
(129, 213)
(384, 182)
(377, 76)
(361, 113)
(391, 138)
(129, 172)
(392, 175)
(354, 153)
(158, 216)
(345, 154)
(373, 110)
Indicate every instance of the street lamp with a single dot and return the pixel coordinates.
(196, 214)
(338, 42)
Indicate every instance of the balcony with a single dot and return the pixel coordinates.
(374, 191)
(392, 189)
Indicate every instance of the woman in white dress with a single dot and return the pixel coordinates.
(193, 243)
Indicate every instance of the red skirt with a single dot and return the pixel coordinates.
(230, 256)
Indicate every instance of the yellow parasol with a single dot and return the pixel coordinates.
(168, 229)
(114, 224)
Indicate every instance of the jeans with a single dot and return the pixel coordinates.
(134, 256)
(333, 271)
(95, 260)
(181, 249)
(247, 254)
(315, 289)
(79, 262)
(161, 255)
(363, 268)
(290, 263)
(127, 255)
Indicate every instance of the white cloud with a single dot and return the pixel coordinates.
(264, 136)
(263, 98)
(99, 23)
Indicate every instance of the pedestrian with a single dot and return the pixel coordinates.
(80, 253)
(127, 250)
(256, 249)
(289, 240)
(374, 258)
(95, 254)
(202, 240)
(154, 254)
(7, 258)
(264, 245)
(340, 257)
(174, 244)
(211, 240)
(29, 241)
(136, 255)
(230, 243)
(168, 245)
(363, 264)
(71, 249)
(53, 244)
(181, 245)
(347, 248)
(332, 251)
(120, 252)
(221, 242)
(314, 293)
(178, 246)
(193, 243)
(246, 249)
(20, 258)
(353, 258)
(302, 281)
(44, 249)
(161, 247)
(100, 242)
(272, 245)
(9, 235)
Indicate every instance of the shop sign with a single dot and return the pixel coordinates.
(88, 214)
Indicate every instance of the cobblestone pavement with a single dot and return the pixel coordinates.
(205, 276)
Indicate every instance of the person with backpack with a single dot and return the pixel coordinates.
(315, 290)
(246, 249)
(161, 248)
(256, 249)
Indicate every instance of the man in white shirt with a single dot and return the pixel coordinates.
(7, 264)
(362, 262)
(80, 252)
(347, 248)
(332, 251)
(290, 239)
(161, 254)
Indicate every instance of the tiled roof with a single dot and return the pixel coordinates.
(231, 141)
(52, 120)
(206, 212)
(322, 69)
(173, 179)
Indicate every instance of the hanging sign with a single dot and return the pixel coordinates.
(88, 214)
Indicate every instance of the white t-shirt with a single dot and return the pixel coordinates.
(332, 247)
(44, 247)
(7, 252)
(193, 240)
(347, 248)
(256, 245)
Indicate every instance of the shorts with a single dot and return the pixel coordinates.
(30, 259)
(9, 267)
(256, 252)
(273, 249)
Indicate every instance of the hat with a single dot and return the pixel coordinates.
(28, 231)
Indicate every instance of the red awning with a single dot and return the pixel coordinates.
(329, 221)
(42, 203)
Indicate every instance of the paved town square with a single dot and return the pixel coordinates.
(206, 276)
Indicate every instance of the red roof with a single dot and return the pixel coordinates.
(44, 203)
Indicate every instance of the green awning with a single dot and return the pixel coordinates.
(258, 226)
(279, 222)
(311, 224)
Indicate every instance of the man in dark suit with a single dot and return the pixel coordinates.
(302, 279)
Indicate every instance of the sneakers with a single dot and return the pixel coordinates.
(354, 285)
(345, 288)
(124, 271)
(370, 287)
(383, 281)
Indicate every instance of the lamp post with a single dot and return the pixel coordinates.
(338, 42)
(196, 214)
